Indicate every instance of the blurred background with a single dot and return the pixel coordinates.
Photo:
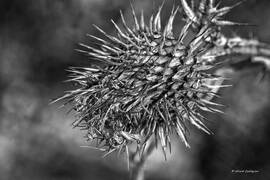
(37, 142)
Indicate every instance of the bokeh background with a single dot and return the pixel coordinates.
(37, 142)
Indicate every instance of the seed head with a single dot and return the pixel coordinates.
(152, 83)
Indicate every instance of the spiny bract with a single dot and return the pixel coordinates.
(151, 83)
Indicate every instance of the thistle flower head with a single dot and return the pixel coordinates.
(151, 83)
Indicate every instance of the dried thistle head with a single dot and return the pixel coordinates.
(151, 83)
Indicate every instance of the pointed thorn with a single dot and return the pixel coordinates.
(142, 21)
(191, 15)
(137, 27)
(169, 26)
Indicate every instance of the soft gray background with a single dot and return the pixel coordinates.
(37, 142)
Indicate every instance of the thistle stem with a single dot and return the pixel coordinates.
(138, 162)
(258, 51)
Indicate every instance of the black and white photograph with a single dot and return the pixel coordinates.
(134, 90)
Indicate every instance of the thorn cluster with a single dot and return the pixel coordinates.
(151, 83)
(207, 13)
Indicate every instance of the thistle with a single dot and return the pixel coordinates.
(151, 84)
(151, 81)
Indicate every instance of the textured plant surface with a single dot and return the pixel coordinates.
(152, 82)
